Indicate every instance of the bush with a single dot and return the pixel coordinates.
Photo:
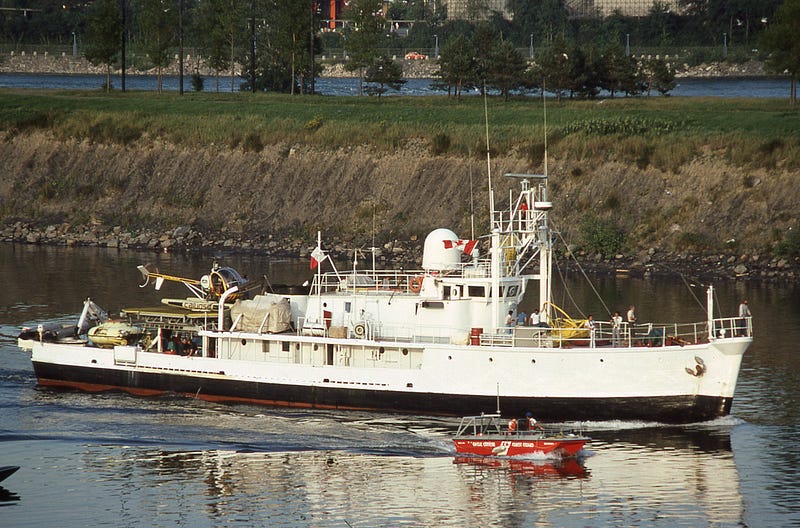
(601, 236)
(197, 82)
(252, 142)
(315, 123)
(627, 126)
(790, 245)
(440, 143)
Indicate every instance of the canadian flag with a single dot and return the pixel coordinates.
(465, 246)
(317, 257)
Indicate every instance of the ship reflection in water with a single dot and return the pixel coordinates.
(655, 476)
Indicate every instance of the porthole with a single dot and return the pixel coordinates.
(297, 346)
(244, 342)
(533, 361)
(381, 350)
(405, 351)
(490, 360)
(316, 346)
(450, 357)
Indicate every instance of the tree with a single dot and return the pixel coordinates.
(619, 72)
(457, 63)
(159, 25)
(781, 40)
(218, 28)
(289, 40)
(363, 34)
(545, 19)
(505, 68)
(104, 35)
(659, 75)
(384, 72)
(553, 69)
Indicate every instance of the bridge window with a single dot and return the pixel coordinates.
(476, 291)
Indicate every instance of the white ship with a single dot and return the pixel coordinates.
(432, 341)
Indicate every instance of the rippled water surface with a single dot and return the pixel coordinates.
(115, 460)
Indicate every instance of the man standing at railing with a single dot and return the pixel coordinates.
(631, 321)
(744, 313)
(510, 321)
(616, 326)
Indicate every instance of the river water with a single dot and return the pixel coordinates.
(759, 87)
(112, 459)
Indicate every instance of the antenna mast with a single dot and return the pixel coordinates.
(488, 155)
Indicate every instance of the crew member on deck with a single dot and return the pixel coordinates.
(532, 423)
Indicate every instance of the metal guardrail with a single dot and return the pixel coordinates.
(603, 334)
(648, 334)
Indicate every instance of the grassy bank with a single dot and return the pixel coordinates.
(667, 131)
(629, 176)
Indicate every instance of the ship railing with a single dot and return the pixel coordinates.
(376, 331)
(395, 281)
(495, 424)
(626, 335)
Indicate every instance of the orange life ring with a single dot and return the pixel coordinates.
(415, 284)
(512, 425)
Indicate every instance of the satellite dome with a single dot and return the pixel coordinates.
(436, 256)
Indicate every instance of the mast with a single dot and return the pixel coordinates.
(710, 308)
(495, 249)
(545, 253)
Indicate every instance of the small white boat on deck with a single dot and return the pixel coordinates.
(115, 333)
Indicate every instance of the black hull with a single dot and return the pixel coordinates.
(672, 409)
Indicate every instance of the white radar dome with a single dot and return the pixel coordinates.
(439, 256)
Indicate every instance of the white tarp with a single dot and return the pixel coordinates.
(269, 313)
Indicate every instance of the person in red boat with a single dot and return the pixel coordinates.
(532, 423)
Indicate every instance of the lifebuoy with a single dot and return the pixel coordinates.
(512, 425)
(455, 293)
(415, 284)
(360, 330)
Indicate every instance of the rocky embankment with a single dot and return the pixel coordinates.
(407, 253)
(63, 63)
(712, 219)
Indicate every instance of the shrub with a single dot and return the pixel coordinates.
(197, 82)
(440, 143)
(315, 123)
(790, 245)
(693, 240)
(601, 236)
(627, 126)
(252, 142)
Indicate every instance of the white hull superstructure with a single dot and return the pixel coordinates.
(432, 341)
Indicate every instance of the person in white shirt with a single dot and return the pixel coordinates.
(744, 313)
(616, 326)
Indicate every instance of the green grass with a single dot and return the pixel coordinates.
(634, 129)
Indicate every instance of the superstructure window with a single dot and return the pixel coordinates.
(476, 291)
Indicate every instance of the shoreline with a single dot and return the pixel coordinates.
(63, 64)
(188, 240)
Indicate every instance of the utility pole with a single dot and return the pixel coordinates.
(311, 44)
(253, 46)
(124, 10)
(180, 46)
